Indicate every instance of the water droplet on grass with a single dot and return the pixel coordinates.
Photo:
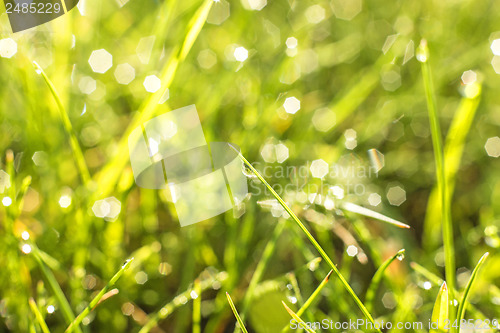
(26, 248)
(6, 201)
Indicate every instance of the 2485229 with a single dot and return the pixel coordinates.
(33, 8)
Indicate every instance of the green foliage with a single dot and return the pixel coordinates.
(440, 312)
(64, 133)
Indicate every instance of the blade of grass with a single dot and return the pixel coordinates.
(238, 318)
(449, 250)
(353, 208)
(426, 273)
(75, 145)
(109, 176)
(358, 90)
(261, 266)
(197, 307)
(99, 296)
(67, 313)
(22, 192)
(440, 312)
(436, 280)
(292, 278)
(315, 294)
(311, 299)
(168, 308)
(297, 318)
(375, 282)
(453, 151)
(38, 316)
(313, 241)
(463, 303)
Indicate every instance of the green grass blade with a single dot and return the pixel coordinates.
(463, 303)
(67, 313)
(194, 28)
(440, 312)
(297, 318)
(449, 250)
(375, 282)
(75, 145)
(313, 241)
(353, 208)
(171, 306)
(108, 177)
(436, 280)
(261, 266)
(99, 296)
(38, 316)
(22, 192)
(197, 307)
(453, 151)
(311, 299)
(426, 273)
(238, 318)
(315, 294)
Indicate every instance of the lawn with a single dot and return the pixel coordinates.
(367, 134)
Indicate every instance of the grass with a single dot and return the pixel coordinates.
(75, 146)
(38, 316)
(448, 237)
(99, 297)
(377, 278)
(310, 300)
(463, 303)
(440, 312)
(238, 318)
(313, 241)
(294, 239)
(298, 319)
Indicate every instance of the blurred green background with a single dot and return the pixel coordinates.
(348, 69)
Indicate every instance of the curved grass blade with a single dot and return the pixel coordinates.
(463, 304)
(75, 146)
(313, 296)
(297, 318)
(436, 280)
(375, 282)
(311, 299)
(38, 316)
(238, 318)
(313, 241)
(99, 296)
(453, 151)
(110, 174)
(449, 249)
(66, 311)
(440, 312)
(353, 208)
(177, 302)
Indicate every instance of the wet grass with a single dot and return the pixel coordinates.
(297, 249)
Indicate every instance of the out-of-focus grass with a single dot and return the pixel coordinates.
(360, 88)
